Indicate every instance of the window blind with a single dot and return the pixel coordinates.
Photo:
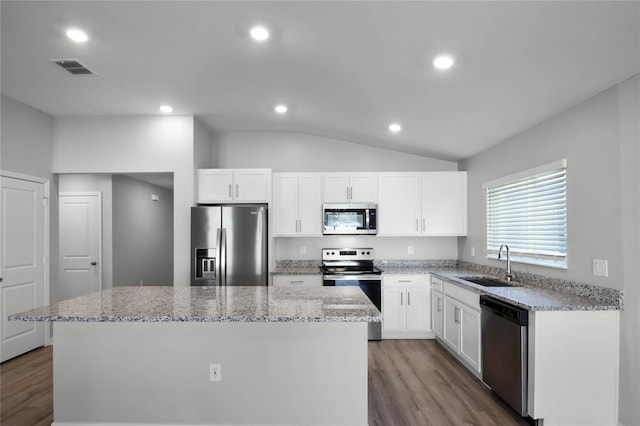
(529, 214)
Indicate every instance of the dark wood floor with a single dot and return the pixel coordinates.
(417, 382)
(411, 382)
(26, 389)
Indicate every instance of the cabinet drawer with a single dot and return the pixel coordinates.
(467, 297)
(297, 281)
(436, 283)
(406, 280)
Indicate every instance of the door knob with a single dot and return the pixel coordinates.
(94, 263)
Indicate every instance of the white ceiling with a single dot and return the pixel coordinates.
(346, 69)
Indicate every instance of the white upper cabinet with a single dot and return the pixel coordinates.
(297, 202)
(443, 203)
(422, 203)
(398, 203)
(350, 187)
(233, 186)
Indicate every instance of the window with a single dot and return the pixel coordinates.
(528, 212)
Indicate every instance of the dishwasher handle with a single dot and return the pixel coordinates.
(506, 310)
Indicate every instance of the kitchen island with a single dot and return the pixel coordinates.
(144, 355)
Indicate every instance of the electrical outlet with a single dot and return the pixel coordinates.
(600, 268)
(410, 249)
(473, 252)
(215, 373)
(303, 250)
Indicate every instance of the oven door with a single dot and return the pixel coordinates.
(371, 285)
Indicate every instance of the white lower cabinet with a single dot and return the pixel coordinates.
(461, 325)
(297, 280)
(406, 307)
(437, 307)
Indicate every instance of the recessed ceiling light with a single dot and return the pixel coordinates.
(395, 127)
(77, 35)
(443, 62)
(259, 33)
(281, 109)
(166, 109)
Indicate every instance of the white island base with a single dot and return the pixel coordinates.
(157, 373)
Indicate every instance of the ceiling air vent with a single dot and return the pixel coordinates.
(74, 66)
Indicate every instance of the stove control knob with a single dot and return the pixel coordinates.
(368, 252)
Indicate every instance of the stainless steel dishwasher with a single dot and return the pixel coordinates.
(504, 351)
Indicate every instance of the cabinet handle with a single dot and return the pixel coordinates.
(417, 226)
(456, 315)
(408, 298)
(351, 192)
(237, 190)
(347, 188)
(424, 227)
(405, 281)
(401, 300)
(439, 304)
(296, 282)
(230, 191)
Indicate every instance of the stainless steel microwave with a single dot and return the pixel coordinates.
(350, 219)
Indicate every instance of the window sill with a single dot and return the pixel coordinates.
(530, 261)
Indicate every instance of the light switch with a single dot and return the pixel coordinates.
(600, 268)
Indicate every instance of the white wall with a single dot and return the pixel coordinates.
(385, 247)
(135, 144)
(299, 152)
(599, 137)
(142, 233)
(93, 183)
(26, 145)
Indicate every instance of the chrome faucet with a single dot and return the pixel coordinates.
(509, 275)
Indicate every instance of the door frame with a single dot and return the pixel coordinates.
(47, 239)
(97, 194)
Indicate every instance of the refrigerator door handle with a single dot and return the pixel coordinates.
(223, 257)
(218, 255)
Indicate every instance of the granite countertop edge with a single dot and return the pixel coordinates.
(253, 304)
(153, 318)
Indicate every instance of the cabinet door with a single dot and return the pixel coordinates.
(398, 203)
(309, 204)
(363, 187)
(418, 309)
(285, 202)
(251, 186)
(393, 309)
(451, 333)
(470, 336)
(336, 187)
(437, 312)
(443, 203)
(214, 185)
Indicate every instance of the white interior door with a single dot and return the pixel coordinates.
(80, 227)
(22, 264)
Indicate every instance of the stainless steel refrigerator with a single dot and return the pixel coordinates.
(229, 245)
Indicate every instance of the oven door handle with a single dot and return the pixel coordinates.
(368, 277)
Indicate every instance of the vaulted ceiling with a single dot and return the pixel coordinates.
(346, 70)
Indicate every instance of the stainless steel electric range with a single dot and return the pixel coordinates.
(354, 267)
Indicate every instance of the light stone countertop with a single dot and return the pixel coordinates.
(212, 304)
(534, 298)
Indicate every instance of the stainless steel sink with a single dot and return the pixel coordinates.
(488, 282)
